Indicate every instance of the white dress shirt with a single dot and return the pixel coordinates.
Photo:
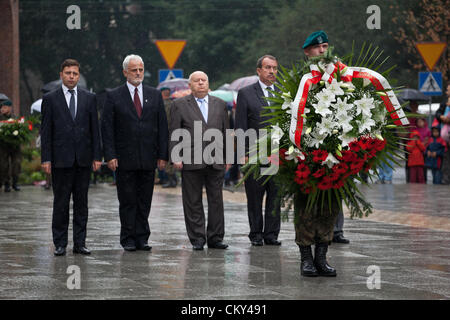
(206, 105)
(140, 92)
(264, 86)
(67, 95)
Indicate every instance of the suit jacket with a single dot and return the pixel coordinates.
(249, 106)
(65, 140)
(184, 113)
(136, 142)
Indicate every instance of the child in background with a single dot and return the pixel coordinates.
(434, 153)
(416, 161)
(425, 135)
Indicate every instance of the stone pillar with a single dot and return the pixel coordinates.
(9, 51)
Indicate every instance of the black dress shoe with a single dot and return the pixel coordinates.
(272, 242)
(16, 187)
(145, 247)
(218, 245)
(129, 248)
(60, 251)
(81, 250)
(340, 239)
(7, 188)
(197, 247)
(257, 243)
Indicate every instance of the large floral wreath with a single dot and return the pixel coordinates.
(15, 132)
(340, 124)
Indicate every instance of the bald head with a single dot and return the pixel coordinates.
(199, 84)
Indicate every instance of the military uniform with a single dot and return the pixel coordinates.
(10, 162)
(317, 225)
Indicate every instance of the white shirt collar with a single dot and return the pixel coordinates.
(204, 98)
(66, 90)
(132, 88)
(264, 86)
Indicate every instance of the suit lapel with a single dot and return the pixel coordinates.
(194, 106)
(260, 94)
(211, 109)
(147, 103)
(81, 103)
(63, 103)
(126, 96)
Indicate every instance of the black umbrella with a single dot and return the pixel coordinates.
(413, 95)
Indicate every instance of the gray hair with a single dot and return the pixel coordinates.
(190, 76)
(130, 57)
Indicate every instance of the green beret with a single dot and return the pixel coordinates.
(317, 37)
(164, 88)
(6, 103)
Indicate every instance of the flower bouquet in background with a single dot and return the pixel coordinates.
(15, 132)
(332, 123)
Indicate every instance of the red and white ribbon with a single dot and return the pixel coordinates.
(316, 75)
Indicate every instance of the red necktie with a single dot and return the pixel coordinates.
(137, 103)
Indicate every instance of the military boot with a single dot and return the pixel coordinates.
(320, 261)
(307, 268)
(7, 187)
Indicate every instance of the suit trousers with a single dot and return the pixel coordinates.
(194, 214)
(135, 192)
(66, 182)
(268, 227)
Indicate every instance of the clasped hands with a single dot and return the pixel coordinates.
(47, 166)
(113, 164)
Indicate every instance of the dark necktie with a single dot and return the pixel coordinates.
(137, 103)
(269, 94)
(72, 103)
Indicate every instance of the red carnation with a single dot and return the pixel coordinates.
(340, 168)
(302, 171)
(319, 173)
(354, 146)
(319, 156)
(325, 184)
(338, 184)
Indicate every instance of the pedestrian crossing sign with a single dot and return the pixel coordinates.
(430, 83)
(169, 74)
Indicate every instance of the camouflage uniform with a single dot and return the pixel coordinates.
(315, 227)
(10, 161)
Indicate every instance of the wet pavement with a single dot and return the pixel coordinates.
(404, 244)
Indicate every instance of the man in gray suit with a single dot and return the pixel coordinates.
(199, 115)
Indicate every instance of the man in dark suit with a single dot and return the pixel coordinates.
(197, 115)
(135, 142)
(250, 103)
(70, 145)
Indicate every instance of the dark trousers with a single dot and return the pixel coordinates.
(267, 227)
(66, 182)
(339, 226)
(135, 191)
(194, 214)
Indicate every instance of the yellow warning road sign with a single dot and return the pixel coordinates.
(431, 52)
(170, 50)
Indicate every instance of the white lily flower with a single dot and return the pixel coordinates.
(322, 108)
(326, 96)
(330, 161)
(327, 126)
(366, 123)
(293, 154)
(15, 132)
(335, 88)
(364, 105)
(276, 135)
